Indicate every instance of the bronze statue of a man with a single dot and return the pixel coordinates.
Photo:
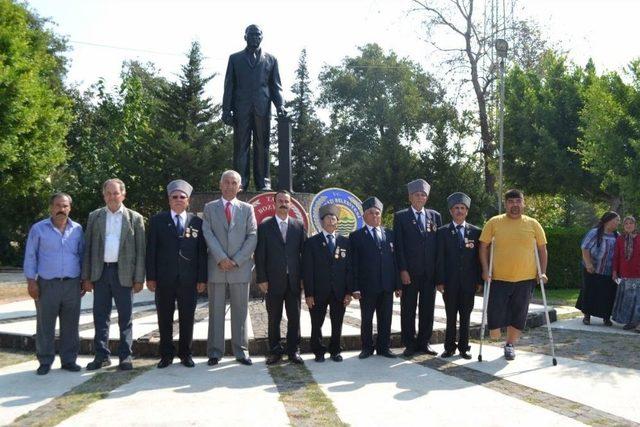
(251, 84)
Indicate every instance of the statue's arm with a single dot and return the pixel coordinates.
(229, 78)
(276, 88)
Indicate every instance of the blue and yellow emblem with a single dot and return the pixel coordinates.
(350, 209)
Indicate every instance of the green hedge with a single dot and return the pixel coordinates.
(564, 268)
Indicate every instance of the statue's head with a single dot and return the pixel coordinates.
(253, 36)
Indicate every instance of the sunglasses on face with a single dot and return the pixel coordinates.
(181, 197)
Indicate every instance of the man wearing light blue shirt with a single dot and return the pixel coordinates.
(52, 263)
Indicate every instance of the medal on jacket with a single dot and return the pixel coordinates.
(343, 253)
(336, 253)
(194, 232)
(391, 246)
(468, 243)
(187, 232)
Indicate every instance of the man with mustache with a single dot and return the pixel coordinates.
(514, 268)
(278, 275)
(52, 264)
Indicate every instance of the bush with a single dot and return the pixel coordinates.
(564, 269)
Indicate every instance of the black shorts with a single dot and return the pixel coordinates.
(509, 303)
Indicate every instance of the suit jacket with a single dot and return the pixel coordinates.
(172, 259)
(327, 273)
(248, 88)
(274, 256)
(416, 250)
(236, 241)
(374, 270)
(459, 266)
(131, 266)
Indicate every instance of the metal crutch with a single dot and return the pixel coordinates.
(485, 298)
(544, 301)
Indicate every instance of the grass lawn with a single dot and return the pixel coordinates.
(557, 296)
(11, 357)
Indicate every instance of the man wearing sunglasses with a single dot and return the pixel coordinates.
(176, 270)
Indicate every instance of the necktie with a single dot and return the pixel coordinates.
(283, 230)
(376, 239)
(331, 244)
(179, 226)
(460, 236)
(227, 212)
(419, 219)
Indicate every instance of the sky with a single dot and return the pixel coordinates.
(103, 34)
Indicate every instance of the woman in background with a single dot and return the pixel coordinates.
(626, 271)
(598, 288)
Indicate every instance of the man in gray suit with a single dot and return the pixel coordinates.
(251, 84)
(113, 267)
(231, 233)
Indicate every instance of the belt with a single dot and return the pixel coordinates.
(110, 264)
(62, 279)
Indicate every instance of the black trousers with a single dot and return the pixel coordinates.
(166, 298)
(245, 126)
(420, 294)
(380, 303)
(274, 303)
(318, 314)
(458, 300)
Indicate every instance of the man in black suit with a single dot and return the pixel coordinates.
(375, 278)
(415, 230)
(176, 270)
(459, 273)
(251, 84)
(326, 266)
(278, 274)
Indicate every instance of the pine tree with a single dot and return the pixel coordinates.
(311, 151)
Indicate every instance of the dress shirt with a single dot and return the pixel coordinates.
(183, 218)
(423, 218)
(51, 254)
(112, 234)
(233, 204)
(461, 231)
(378, 232)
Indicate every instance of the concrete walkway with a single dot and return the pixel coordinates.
(21, 390)
(228, 394)
(383, 392)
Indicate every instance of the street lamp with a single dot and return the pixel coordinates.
(502, 47)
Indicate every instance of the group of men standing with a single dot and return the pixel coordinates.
(182, 255)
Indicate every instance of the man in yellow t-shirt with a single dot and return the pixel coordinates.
(514, 268)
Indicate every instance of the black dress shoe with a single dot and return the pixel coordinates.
(336, 357)
(212, 361)
(187, 361)
(125, 365)
(43, 369)
(428, 350)
(447, 353)
(586, 320)
(364, 354)
(272, 359)
(71, 367)
(295, 358)
(607, 322)
(164, 362)
(408, 352)
(245, 361)
(320, 358)
(387, 353)
(465, 355)
(98, 363)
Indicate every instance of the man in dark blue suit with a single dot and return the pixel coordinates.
(326, 265)
(251, 84)
(459, 273)
(375, 278)
(176, 270)
(278, 274)
(415, 231)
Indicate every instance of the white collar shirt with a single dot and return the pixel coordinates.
(112, 234)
